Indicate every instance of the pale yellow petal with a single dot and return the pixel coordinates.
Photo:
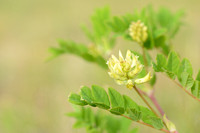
(144, 79)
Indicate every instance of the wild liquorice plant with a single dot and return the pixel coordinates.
(151, 30)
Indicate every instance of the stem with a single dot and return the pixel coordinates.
(185, 90)
(164, 130)
(146, 102)
(145, 59)
(155, 102)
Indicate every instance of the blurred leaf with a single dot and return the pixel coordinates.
(160, 32)
(198, 76)
(135, 130)
(98, 122)
(170, 21)
(80, 50)
(74, 115)
(153, 80)
(196, 89)
(100, 34)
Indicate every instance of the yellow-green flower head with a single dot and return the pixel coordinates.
(138, 31)
(124, 70)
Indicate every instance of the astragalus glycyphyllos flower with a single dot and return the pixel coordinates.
(138, 32)
(124, 70)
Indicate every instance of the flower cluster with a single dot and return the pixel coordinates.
(125, 70)
(138, 32)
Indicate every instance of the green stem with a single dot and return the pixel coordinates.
(145, 59)
(146, 102)
(164, 130)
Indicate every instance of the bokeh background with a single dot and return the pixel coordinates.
(33, 93)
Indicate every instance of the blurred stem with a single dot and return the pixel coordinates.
(145, 59)
(156, 104)
(158, 107)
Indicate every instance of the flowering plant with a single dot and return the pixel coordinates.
(149, 29)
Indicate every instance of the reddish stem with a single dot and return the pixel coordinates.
(155, 102)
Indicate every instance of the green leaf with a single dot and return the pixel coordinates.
(171, 75)
(148, 58)
(135, 114)
(196, 89)
(80, 50)
(173, 62)
(198, 76)
(100, 97)
(160, 41)
(125, 124)
(129, 103)
(185, 66)
(155, 67)
(117, 101)
(86, 94)
(146, 112)
(135, 130)
(74, 114)
(79, 124)
(99, 122)
(161, 62)
(76, 99)
(169, 20)
(154, 121)
(150, 118)
(187, 80)
(160, 32)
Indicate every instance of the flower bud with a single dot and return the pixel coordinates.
(129, 84)
(169, 124)
(138, 31)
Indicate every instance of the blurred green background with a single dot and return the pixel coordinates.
(33, 93)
